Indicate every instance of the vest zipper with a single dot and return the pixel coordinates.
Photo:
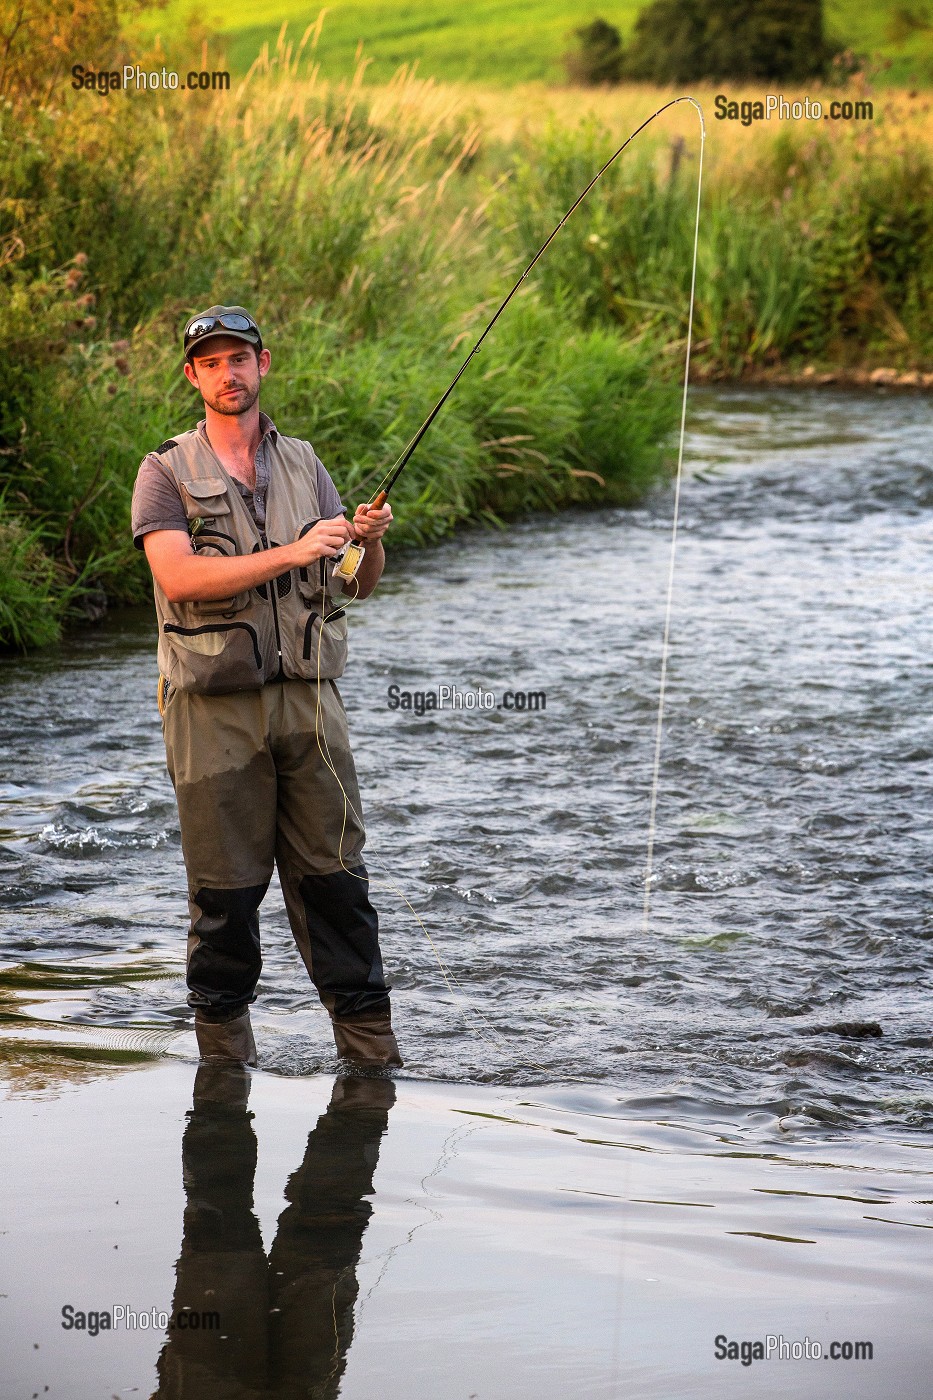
(275, 611)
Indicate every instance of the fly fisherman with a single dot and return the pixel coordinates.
(238, 524)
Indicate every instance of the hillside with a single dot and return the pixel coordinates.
(493, 42)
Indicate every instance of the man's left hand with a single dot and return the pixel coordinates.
(370, 525)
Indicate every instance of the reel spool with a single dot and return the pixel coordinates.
(348, 561)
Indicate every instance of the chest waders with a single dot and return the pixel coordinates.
(239, 700)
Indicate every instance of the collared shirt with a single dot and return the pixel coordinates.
(157, 504)
(255, 499)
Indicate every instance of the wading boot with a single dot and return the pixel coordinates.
(230, 1040)
(367, 1040)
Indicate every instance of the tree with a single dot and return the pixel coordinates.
(41, 39)
(677, 41)
(598, 57)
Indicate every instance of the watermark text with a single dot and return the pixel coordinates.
(121, 1317)
(779, 1348)
(806, 109)
(451, 697)
(132, 78)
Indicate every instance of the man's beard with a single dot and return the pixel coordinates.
(234, 407)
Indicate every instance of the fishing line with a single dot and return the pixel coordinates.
(447, 1154)
(388, 481)
(669, 601)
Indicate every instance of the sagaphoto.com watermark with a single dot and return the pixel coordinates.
(775, 107)
(120, 1317)
(451, 697)
(132, 78)
(777, 1347)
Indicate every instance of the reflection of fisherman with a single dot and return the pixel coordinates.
(285, 1326)
(239, 524)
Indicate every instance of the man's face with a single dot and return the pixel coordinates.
(228, 374)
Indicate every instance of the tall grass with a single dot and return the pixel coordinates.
(373, 231)
(363, 244)
(815, 245)
(31, 604)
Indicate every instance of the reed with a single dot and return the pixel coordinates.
(373, 231)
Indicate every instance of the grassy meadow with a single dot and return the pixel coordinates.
(492, 42)
(373, 228)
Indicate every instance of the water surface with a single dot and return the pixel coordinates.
(787, 960)
(611, 1143)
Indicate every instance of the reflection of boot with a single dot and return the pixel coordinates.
(361, 1095)
(220, 1350)
(221, 1082)
(367, 1041)
(313, 1262)
(226, 1040)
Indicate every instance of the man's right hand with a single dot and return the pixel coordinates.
(322, 541)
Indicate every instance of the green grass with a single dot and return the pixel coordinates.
(373, 232)
(364, 245)
(493, 42)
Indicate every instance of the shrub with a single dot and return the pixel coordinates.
(679, 41)
(39, 39)
(598, 56)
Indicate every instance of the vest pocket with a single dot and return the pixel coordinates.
(313, 580)
(206, 497)
(324, 645)
(215, 544)
(216, 657)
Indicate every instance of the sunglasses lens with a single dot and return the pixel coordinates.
(231, 322)
(200, 328)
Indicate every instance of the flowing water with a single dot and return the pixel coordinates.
(613, 1142)
(787, 958)
(789, 940)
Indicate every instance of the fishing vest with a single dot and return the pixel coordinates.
(288, 628)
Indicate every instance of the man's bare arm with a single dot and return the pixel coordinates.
(188, 577)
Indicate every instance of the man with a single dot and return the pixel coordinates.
(239, 524)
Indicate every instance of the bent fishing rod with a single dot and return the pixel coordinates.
(391, 477)
(348, 561)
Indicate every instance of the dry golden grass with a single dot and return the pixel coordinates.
(504, 115)
(484, 116)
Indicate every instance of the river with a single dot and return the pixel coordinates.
(791, 898)
(775, 1012)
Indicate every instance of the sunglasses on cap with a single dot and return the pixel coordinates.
(230, 321)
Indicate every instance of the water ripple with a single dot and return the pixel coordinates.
(787, 962)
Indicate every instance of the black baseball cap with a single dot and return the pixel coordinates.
(234, 321)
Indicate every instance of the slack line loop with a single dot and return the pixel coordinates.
(451, 981)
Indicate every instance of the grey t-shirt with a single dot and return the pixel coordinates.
(157, 503)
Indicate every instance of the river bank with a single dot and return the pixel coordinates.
(373, 230)
(811, 376)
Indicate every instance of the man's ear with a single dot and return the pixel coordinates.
(191, 374)
(265, 360)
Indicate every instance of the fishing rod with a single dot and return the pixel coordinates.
(452, 982)
(348, 561)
